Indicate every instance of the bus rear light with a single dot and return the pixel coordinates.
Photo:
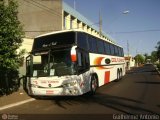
(73, 58)
(73, 54)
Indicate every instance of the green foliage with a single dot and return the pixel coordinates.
(158, 50)
(139, 59)
(11, 35)
(154, 57)
(158, 66)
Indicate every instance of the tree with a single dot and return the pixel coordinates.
(139, 59)
(11, 35)
(158, 50)
(154, 56)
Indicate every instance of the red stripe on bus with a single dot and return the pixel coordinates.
(107, 77)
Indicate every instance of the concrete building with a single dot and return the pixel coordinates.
(43, 16)
(129, 62)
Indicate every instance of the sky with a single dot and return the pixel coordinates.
(140, 27)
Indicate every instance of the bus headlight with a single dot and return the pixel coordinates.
(70, 84)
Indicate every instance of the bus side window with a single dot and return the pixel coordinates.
(116, 50)
(112, 49)
(107, 48)
(83, 61)
(122, 52)
(79, 59)
(119, 52)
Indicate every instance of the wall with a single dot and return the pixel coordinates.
(40, 16)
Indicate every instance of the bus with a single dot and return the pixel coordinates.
(71, 63)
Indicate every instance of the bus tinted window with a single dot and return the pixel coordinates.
(122, 53)
(119, 51)
(92, 44)
(82, 40)
(116, 50)
(100, 46)
(48, 41)
(107, 48)
(112, 49)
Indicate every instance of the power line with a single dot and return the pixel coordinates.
(52, 11)
(40, 6)
(44, 7)
(49, 9)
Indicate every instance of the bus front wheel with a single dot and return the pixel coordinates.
(93, 84)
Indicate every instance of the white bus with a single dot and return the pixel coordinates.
(71, 62)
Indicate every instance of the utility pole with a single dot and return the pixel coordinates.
(74, 5)
(128, 64)
(137, 58)
(100, 23)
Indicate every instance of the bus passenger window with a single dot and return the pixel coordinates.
(83, 61)
(79, 59)
(116, 50)
(107, 48)
(112, 49)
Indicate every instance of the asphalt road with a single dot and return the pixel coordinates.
(137, 93)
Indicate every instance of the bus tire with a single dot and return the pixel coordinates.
(118, 75)
(93, 84)
(121, 74)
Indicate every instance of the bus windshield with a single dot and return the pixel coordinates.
(54, 63)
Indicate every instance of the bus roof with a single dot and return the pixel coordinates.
(77, 30)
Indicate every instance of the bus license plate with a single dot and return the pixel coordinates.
(49, 92)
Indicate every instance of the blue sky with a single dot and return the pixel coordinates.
(140, 27)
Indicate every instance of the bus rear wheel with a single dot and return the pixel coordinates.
(93, 85)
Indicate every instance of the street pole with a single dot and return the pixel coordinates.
(74, 5)
(128, 65)
(100, 23)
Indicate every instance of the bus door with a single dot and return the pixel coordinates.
(83, 66)
(27, 77)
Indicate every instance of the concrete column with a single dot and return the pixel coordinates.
(80, 26)
(85, 27)
(68, 21)
(89, 30)
(74, 23)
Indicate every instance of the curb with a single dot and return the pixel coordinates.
(16, 104)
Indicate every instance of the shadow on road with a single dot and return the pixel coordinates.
(153, 72)
(147, 82)
(121, 104)
(144, 69)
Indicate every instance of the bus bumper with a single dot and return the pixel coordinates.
(74, 91)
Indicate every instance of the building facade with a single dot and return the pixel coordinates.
(43, 16)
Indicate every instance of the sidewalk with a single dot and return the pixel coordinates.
(15, 97)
